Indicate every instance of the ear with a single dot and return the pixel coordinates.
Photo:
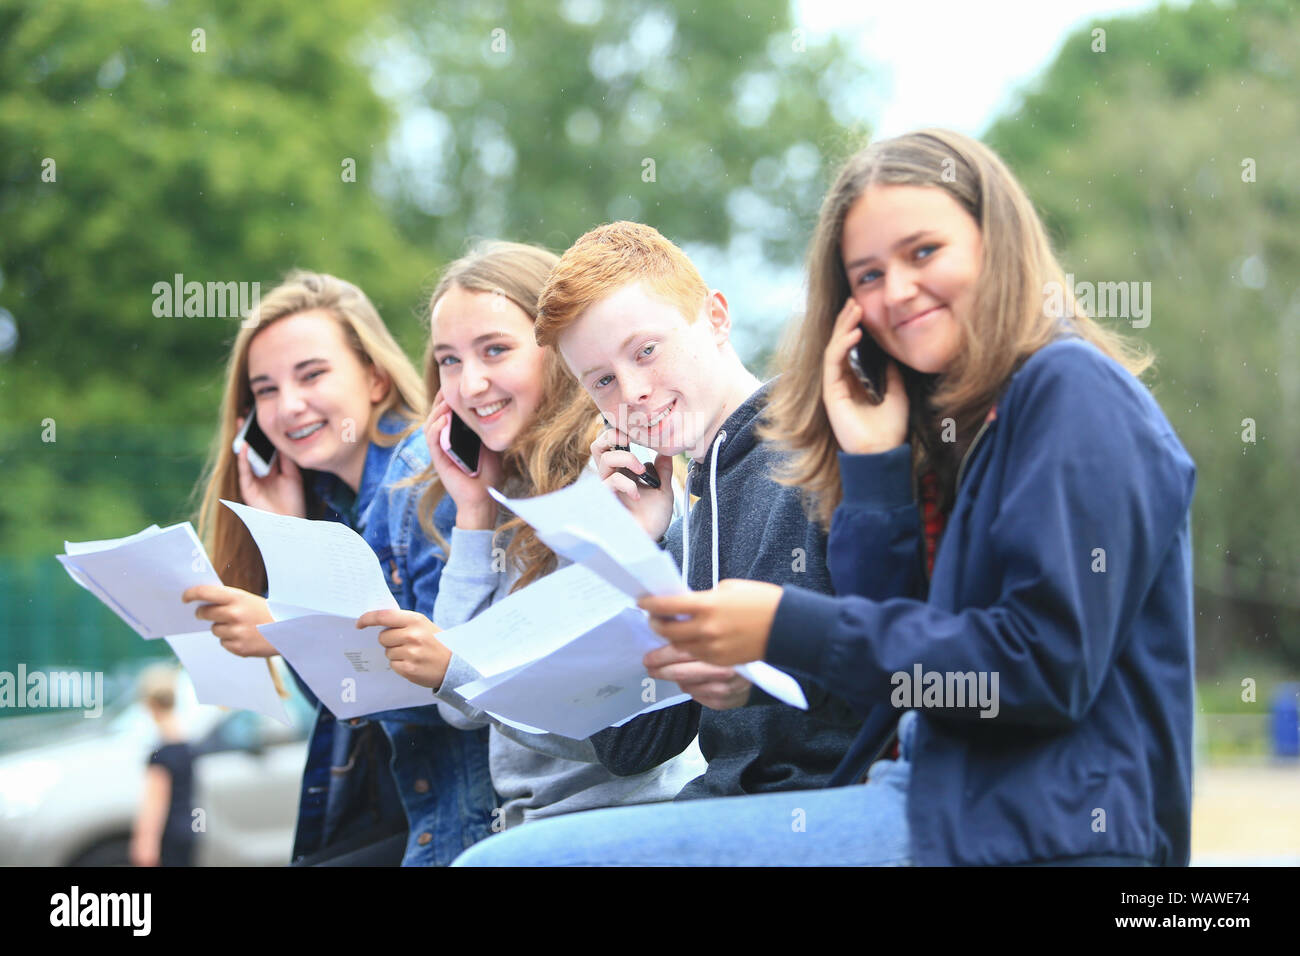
(380, 383)
(719, 317)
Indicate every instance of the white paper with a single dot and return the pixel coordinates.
(322, 576)
(141, 577)
(225, 680)
(321, 565)
(585, 686)
(345, 667)
(535, 620)
(586, 524)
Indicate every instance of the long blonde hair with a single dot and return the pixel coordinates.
(1009, 321)
(231, 548)
(555, 446)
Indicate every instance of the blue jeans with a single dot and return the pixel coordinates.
(863, 825)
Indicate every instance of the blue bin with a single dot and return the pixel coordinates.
(1286, 721)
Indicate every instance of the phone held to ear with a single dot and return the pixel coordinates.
(867, 359)
(648, 479)
(261, 453)
(461, 444)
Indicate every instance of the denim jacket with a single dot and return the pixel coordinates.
(439, 776)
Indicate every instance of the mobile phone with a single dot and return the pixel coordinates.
(461, 444)
(867, 359)
(261, 453)
(647, 479)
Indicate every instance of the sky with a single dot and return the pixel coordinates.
(952, 63)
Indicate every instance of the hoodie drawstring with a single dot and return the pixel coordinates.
(713, 508)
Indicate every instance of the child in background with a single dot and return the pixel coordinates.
(163, 835)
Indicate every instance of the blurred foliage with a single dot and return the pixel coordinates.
(228, 165)
(1135, 158)
(537, 121)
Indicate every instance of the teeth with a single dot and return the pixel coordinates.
(662, 415)
(304, 432)
(483, 411)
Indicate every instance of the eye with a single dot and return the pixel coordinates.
(646, 351)
(495, 350)
(929, 248)
(315, 373)
(447, 360)
(602, 381)
(871, 275)
(264, 391)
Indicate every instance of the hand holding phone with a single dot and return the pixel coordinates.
(268, 480)
(862, 393)
(466, 466)
(643, 492)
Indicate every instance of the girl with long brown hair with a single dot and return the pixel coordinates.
(341, 405)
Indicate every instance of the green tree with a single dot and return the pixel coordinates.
(1171, 158)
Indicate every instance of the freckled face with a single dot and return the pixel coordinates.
(648, 369)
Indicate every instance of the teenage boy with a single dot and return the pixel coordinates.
(650, 342)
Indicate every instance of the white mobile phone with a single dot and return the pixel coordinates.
(261, 453)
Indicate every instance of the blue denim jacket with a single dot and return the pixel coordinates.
(440, 778)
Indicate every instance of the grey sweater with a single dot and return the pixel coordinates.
(536, 775)
(745, 525)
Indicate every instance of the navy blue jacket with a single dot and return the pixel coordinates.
(1065, 567)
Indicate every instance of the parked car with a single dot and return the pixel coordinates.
(73, 801)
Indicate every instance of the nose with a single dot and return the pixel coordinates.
(900, 286)
(473, 380)
(291, 403)
(636, 386)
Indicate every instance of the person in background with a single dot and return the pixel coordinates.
(163, 835)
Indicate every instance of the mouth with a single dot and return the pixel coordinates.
(302, 434)
(918, 316)
(491, 413)
(661, 414)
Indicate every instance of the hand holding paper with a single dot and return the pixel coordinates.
(322, 577)
(586, 523)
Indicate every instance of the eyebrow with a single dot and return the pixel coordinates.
(906, 240)
(486, 336)
(622, 345)
(297, 368)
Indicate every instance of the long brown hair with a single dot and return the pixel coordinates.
(1010, 320)
(555, 446)
(232, 550)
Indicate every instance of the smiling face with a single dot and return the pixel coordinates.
(912, 256)
(656, 376)
(492, 370)
(313, 395)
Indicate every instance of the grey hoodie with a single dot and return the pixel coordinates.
(757, 530)
(536, 775)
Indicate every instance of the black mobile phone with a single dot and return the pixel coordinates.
(461, 444)
(867, 359)
(648, 479)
